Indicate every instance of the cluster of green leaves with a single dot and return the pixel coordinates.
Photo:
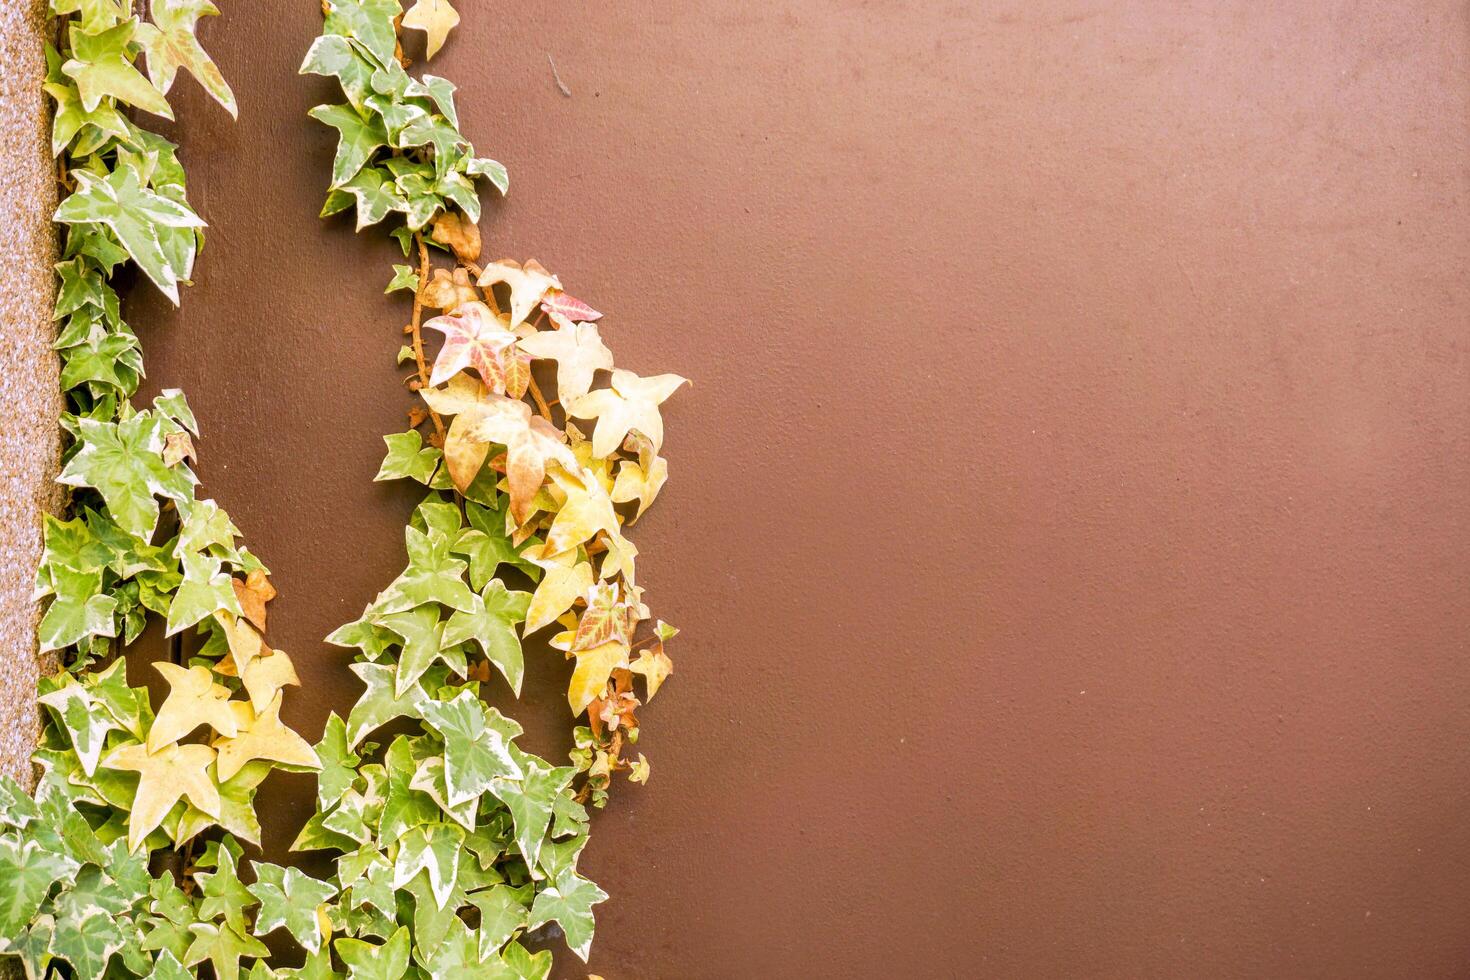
(400, 148)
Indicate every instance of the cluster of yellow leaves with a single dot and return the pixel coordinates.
(238, 731)
(570, 493)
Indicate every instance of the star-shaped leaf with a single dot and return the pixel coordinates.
(476, 744)
(264, 678)
(586, 512)
(338, 762)
(527, 285)
(27, 873)
(80, 609)
(263, 736)
(432, 847)
(432, 576)
(101, 65)
(171, 44)
(436, 18)
(370, 961)
(578, 351)
(631, 403)
(87, 928)
(568, 902)
(531, 799)
(422, 632)
(360, 133)
(492, 627)
(473, 338)
(83, 718)
(292, 899)
(223, 894)
(194, 699)
(654, 665)
(123, 461)
(530, 442)
(566, 579)
(223, 947)
(172, 773)
(379, 705)
(640, 481)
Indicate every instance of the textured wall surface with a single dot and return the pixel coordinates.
(29, 396)
(1069, 521)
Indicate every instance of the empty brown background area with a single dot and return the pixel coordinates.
(1068, 521)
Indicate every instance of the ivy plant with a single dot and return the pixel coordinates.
(449, 843)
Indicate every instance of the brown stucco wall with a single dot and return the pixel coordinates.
(29, 395)
(1069, 520)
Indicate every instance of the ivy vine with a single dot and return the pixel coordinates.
(449, 843)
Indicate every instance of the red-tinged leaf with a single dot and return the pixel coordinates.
(569, 307)
(473, 338)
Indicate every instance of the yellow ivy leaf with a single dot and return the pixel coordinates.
(654, 665)
(587, 510)
(567, 579)
(640, 770)
(527, 285)
(244, 641)
(265, 677)
(263, 736)
(618, 559)
(194, 699)
(578, 352)
(530, 444)
(594, 667)
(176, 772)
(631, 403)
(436, 18)
(640, 481)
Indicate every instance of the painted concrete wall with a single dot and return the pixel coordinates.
(29, 398)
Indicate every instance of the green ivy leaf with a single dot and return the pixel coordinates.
(27, 872)
(503, 913)
(403, 278)
(379, 704)
(370, 961)
(433, 848)
(87, 931)
(339, 762)
(408, 457)
(102, 66)
(404, 807)
(421, 631)
(476, 745)
(83, 718)
(334, 56)
(224, 894)
(367, 21)
(494, 170)
(79, 610)
(432, 576)
(205, 590)
(169, 967)
(123, 461)
(135, 216)
(531, 799)
(376, 194)
(290, 898)
(171, 44)
(568, 901)
(223, 946)
(492, 627)
(456, 955)
(359, 135)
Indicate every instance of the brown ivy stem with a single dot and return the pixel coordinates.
(418, 337)
(544, 408)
